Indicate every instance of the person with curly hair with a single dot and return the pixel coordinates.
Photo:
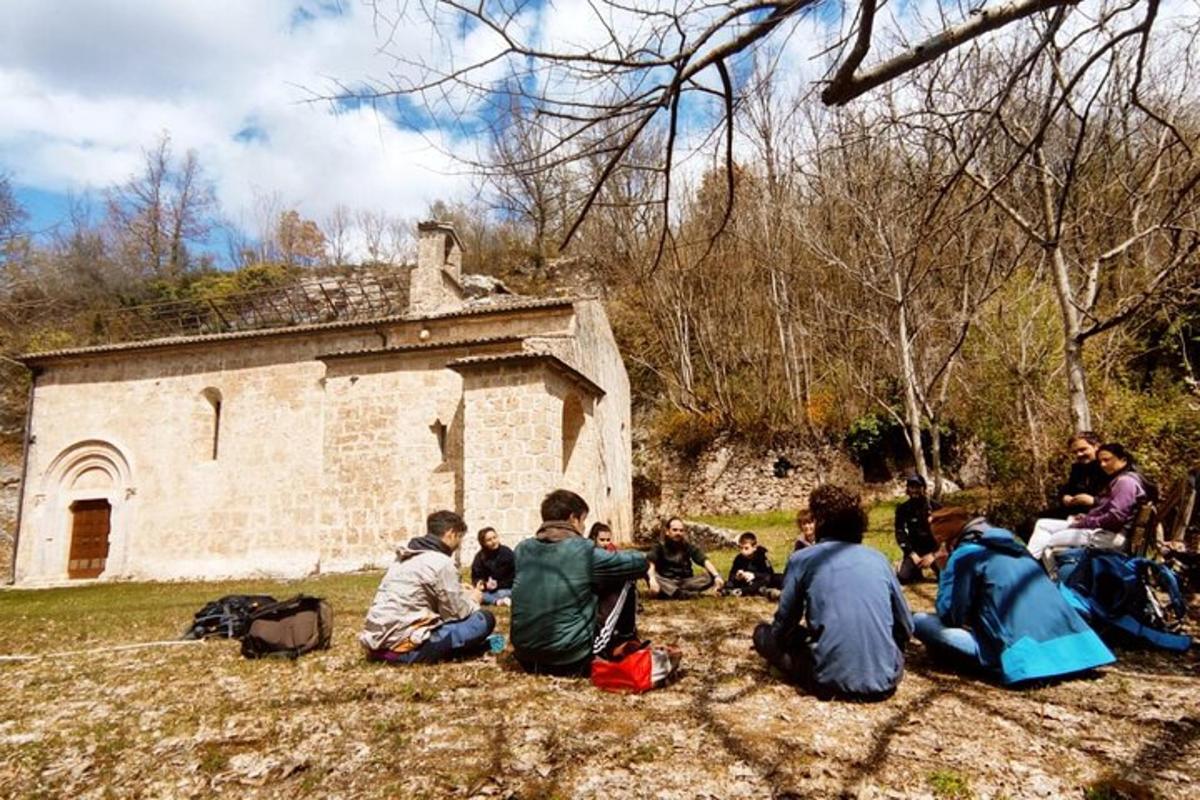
(842, 621)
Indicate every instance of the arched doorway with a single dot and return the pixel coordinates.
(89, 486)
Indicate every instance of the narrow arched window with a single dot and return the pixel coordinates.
(439, 430)
(572, 426)
(213, 396)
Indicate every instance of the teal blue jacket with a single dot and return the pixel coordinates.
(1025, 629)
(554, 596)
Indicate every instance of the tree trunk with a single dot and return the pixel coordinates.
(935, 456)
(912, 411)
(1081, 415)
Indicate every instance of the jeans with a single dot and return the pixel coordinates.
(461, 639)
(956, 646)
(491, 598)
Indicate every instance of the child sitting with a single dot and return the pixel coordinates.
(752, 573)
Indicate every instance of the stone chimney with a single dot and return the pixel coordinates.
(436, 283)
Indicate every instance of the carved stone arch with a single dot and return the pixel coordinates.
(88, 456)
(91, 473)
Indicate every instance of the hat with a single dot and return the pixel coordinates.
(947, 524)
(915, 480)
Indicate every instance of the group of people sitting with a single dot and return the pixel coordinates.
(840, 629)
(1095, 509)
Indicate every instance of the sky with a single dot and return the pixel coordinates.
(88, 85)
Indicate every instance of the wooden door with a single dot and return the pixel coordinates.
(90, 524)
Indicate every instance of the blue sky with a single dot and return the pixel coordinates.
(88, 85)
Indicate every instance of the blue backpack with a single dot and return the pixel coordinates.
(1116, 594)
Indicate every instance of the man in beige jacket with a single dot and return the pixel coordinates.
(422, 613)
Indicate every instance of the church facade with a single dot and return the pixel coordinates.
(309, 448)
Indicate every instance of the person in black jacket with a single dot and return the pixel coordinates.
(917, 545)
(493, 569)
(1084, 482)
(752, 573)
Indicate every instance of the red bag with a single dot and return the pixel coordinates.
(640, 671)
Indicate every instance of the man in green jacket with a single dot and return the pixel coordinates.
(571, 600)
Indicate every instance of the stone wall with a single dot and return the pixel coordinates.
(734, 478)
(323, 462)
(10, 480)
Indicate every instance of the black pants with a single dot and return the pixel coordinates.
(683, 588)
(616, 623)
(755, 586)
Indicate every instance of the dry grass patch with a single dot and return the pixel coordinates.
(200, 721)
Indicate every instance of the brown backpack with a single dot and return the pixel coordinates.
(289, 629)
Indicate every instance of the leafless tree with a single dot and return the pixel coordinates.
(1101, 179)
(337, 228)
(632, 71)
(155, 215)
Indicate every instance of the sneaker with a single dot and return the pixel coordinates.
(504, 601)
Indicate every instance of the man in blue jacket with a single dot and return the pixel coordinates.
(842, 621)
(997, 612)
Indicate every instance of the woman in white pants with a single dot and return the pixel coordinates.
(1105, 525)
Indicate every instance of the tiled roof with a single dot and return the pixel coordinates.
(447, 344)
(570, 372)
(469, 310)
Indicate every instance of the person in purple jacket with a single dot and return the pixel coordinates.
(1105, 526)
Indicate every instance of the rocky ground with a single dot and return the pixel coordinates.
(200, 721)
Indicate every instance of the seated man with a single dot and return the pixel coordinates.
(842, 621)
(421, 612)
(1106, 525)
(1085, 480)
(912, 531)
(751, 573)
(493, 568)
(671, 566)
(571, 600)
(997, 612)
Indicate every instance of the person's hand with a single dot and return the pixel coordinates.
(476, 594)
(915, 558)
(1068, 499)
(491, 584)
(941, 557)
(718, 582)
(925, 561)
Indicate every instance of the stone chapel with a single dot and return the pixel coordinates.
(318, 446)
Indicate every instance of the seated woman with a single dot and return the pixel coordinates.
(602, 536)
(1105, 526)
(493, 569)
(997, 613)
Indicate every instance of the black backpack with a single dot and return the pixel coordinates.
(228, 617)
(289, 629)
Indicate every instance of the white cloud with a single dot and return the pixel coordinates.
(87, 85)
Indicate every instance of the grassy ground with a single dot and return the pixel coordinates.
(776, 530)
(200, 721)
